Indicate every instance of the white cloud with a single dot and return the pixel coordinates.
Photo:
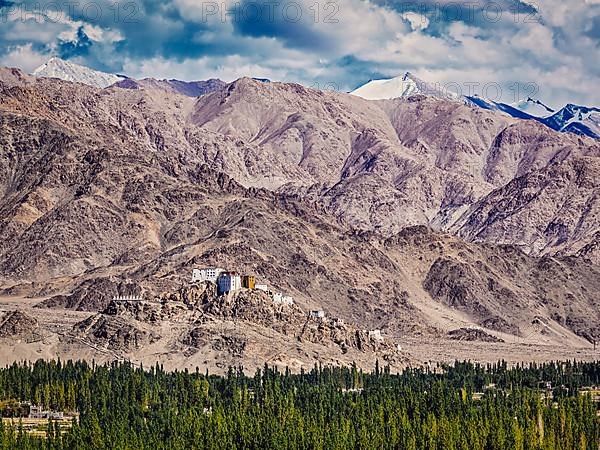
(24, 57)
(226, 68)
(418, 22)
(557, 51)
(562, 62)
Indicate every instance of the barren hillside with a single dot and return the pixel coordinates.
(419, 217)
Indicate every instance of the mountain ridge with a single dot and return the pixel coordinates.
(571, 118)
(69, 71)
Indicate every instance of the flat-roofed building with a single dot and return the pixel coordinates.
(207, 274)
(248, 282)
(228, 282)
(317, 314)
(375, 335)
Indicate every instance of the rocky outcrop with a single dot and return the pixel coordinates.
(472, 334)
(145, 311)
(199, 338)
(474, 290)
(456, 285)
(345, 336)
(255, 307)
(202, 309)
(17, 324)
(194, 295)
(93, 295)
(114, 333)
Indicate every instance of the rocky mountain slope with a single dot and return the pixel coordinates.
(187, 88)
(416, 216)
(576, 119)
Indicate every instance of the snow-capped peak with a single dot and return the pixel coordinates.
(577, 119)
(572, 118)
(533, 107)
(402, 87)
(68, 71)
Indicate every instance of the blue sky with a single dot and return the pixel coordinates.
(549, 48)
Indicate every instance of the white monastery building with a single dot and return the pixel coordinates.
(127, 298)
(209, 274)
(283, 299)
(375, 335)
(317, 314)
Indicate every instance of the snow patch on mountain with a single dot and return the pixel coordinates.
(576, 119)
(403, 87)
(533, 107)
(68, 71)
(505, 108)
(572, 118)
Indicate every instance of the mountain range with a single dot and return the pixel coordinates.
(424, 217)
(69, 71)
(572, 118)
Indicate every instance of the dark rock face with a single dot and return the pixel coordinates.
(153, 312)
(193, 296)
(456, 285)
(233, 345)
(500, 324)
(197, 337)
(127, 83)
(187, 88)
(504, 290)
(470, 334)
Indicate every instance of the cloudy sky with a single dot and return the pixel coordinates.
(508, 48)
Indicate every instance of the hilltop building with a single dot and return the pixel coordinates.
(229, 281)
(248, 282)
(208, 274)
(281, 299)
(317, 314)
(375, 335)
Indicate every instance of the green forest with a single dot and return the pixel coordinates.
(461, 406)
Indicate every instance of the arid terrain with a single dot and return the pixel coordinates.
(459, 233)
